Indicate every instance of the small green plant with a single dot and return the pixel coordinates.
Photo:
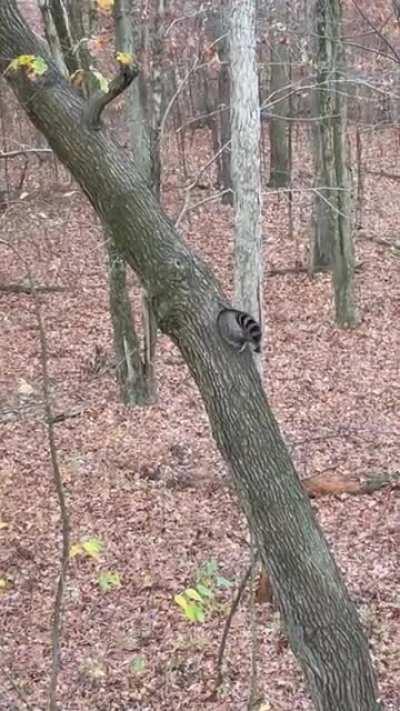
(193, 604)
(137, 664)
(208, 575)
(198, 601)
(90, 547)
(109, 580)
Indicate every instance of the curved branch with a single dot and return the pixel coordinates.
(96, 104)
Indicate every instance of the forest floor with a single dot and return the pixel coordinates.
(150, 484)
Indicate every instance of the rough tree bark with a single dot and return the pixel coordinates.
(279, 86)
(321, 621)
(127, 39)
(245, 158)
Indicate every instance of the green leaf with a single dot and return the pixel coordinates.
(138, 664)
(208, 569)
(36, 66)
(203, 590)
(192, 594)
(109, 580)
(102, 82)
(192, 612)
(223, 582)
(92, 547)
(195, 613)
(39, 66)
(182, 602)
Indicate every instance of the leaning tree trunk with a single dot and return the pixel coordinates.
(321, 621)
(332, 244)
(245, 159)
(279, 93)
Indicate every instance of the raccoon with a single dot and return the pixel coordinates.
(239, 329)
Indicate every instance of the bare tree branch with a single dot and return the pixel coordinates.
(377, 31)
(65, 524)
(25, 152)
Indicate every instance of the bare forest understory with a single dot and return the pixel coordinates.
(149, 483)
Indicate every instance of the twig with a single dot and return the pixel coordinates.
(384, 174)
(195, 66)
(377, 240)
(24, 152)
(378, 32)
(21, 694)
(23, 289)
(253, 630)
(228, 622)
(62, 416)
(65, 525)
(287, 270)
(186, 207)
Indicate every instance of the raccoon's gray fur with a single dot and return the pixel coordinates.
(239, 329)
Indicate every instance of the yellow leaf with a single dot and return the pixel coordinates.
(36, 66)
(75, 549)
(4, 524)
(93, 547)
(105, 5)
(125, 58)
(4, 585)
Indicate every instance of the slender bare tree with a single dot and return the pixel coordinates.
(279, 90)
(332, 241)
(245, 158)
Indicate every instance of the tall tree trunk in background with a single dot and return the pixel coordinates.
(217, 29)
(61, 21)
(80, 14)
(52, 36)
(155, 98)
(127, 36)
(279, 87)
(332, 243)
(135, 376)
(321, 622)
(131, 371)
(245, 158)
(144, 382)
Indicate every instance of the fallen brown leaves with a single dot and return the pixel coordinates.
(150, 484)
